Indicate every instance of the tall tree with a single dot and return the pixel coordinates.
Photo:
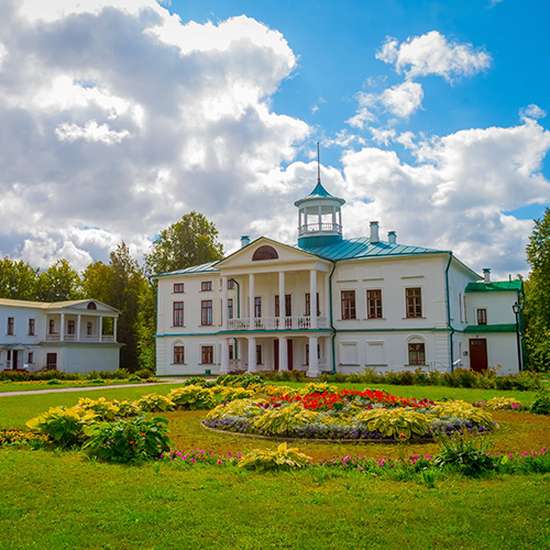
(17, 280)
(119, 284)
(59, 282)
(192, 240)
(537, 295)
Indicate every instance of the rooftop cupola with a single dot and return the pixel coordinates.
(319, 216)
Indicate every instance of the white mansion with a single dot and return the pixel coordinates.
(334, 304)
(71, 336)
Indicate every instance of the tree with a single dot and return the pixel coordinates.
(17, 280)
(120, 284)
(59, 282)
(192, 240)
(537, 296)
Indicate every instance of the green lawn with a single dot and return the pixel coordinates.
(63, 501)
(9, 386)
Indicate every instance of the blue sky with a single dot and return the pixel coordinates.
(336, 44)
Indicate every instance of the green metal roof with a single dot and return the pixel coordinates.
(194, 269)
(491, 328)
(361, 247)
(496, 286)
(319, 192)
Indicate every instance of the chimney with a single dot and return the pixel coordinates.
(487, 274)
(392, 237)
(374, 232)
(245, 239)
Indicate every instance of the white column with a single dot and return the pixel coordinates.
(313, 298)
(62, 327)
(320, 216)
(239, 353)
(251, 292)
(282, 301)
(115, 319)
(283, 355)
(224, 362)
(333, 217)
(313, 369)
(224, 303)
(328, 352)
(251, 354)
(326, 312)
(100, 328)
(78, 327)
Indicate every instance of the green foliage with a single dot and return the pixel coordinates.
(283, 419)
(21, 438)
(317, 387)
(467, 455)
(127, 441)
(537, 296)
(59, 282)
(242, 380)
(192, 397)
(17, 280)
(239, 407)
(144, 373)
(398, 423)
(282, 458)
(154, 402)
(541, 404)
(464, 411)
(106, 409)
(503, 403)
(56, 375)
(192, 240)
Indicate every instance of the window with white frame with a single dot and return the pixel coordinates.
(179, 354)
(417, 354)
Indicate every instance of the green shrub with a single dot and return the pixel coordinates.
(503, 403)
(53, 382)
(134, 378)
(464, 411)
(398, 423)
(192, 397)
(283, 419)
(21, 438)
(464, 454)
(239, 407)
(242, 380)
(127, 441)
(541, 404)
(144, 373)
(154, 402)
(282, 458)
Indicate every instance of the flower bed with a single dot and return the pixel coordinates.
(347, 415)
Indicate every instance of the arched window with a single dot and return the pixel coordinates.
(416, 350)
(265, 252)
(91, 305)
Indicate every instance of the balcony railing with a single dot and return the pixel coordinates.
(275, 323)
(94, 338)
(320, 227)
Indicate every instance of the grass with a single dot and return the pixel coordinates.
(9, 386)
(63, 501)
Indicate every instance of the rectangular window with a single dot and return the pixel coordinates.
(177, 314)
(30, 358)
(51, 326)
(51, 361)
(71, 326)
(413, 297)
(11, 326)
(207, 355)
(259, 354)
(230, 308)
(89, 328)
(482, 316)
(374, 304)
(231, 349)
(206, 286)
(206, 312)
(179, 288)
(230, 284)
(417, 354)
(32, 326)
(348, 304)
(179, 355)
(288, 305)
(257, 307)
(308, 304)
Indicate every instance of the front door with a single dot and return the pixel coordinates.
(290, 356)
(276, 353)
(478, 354)
(51, 361)
(15, 359)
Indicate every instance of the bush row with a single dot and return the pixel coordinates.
(52, 374)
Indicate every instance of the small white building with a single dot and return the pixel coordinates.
(72, 336)
(329, 304)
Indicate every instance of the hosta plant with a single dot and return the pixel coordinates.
(283, 420)
(317, 387)
(467, 455)
(17, 438)
(503, 403)
(105, 409)
(154, 402)
(128, 440)
(230, 393)
(239, 407)
(282, 458)
(464, 411)
(192, 397)
(398, 423)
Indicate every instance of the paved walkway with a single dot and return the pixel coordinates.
(87, 388)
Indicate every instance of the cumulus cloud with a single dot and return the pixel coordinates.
(432, 53)
(532, 111)
(404, 99)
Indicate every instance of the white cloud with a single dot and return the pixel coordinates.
(404, 99)
(92, 131)
(532, 111)
(433, 53)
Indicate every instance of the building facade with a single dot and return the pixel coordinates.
(330, 304)
(72, 336)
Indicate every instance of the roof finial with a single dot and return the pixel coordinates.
(318, 164)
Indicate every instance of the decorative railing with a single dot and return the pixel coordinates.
(92, 338)
(320, 227)
(275, 323)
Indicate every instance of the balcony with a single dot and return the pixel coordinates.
(93, 338)
(320, 228)
(302, 322)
